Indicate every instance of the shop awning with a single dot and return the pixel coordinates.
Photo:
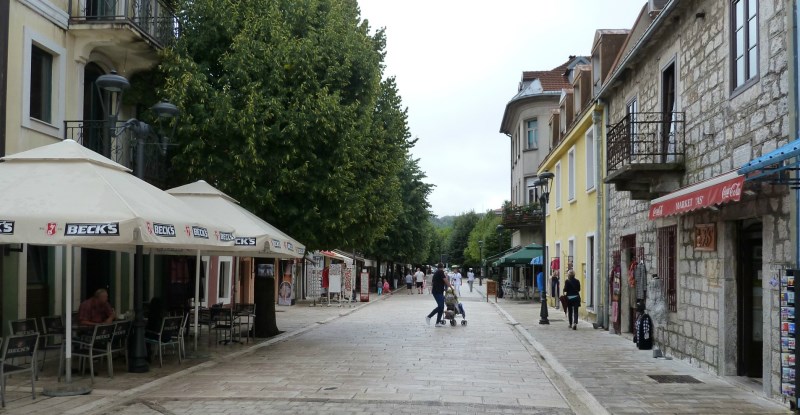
(776, 161)
(720, 189)
(491, 259)
(522, 257)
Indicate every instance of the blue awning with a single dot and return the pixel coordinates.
(772, 162)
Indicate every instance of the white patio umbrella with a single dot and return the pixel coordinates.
(66, 194)
(254, 236)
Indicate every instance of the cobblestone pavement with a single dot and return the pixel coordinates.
(616, 373)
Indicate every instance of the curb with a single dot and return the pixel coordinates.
(563, 382)
(110, 402)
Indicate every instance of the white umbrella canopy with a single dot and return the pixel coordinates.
(254, 236)
(66, 194)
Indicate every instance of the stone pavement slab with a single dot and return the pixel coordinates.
(615, 372)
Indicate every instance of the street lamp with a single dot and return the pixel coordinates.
(112, 86)
(499, 229)
(480, 254)
(543, 184)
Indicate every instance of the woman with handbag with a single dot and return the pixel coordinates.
(572, 289)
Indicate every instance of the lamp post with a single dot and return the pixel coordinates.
(480, 254)
(115, 85)
(499, 229)
(543, 184)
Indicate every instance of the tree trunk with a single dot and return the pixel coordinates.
(264, 297)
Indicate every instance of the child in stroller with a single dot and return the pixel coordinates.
(453, 308)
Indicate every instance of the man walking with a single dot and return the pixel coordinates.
(409, 282)
(470, 279)
(457, 281)
(437, 289)
(419, 276)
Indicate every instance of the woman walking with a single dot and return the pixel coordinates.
(572, 289)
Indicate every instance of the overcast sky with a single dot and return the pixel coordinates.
(457, 63)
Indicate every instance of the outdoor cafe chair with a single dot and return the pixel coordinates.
(224, 323)
(167, 336)
(120, 341)
(24, 326)
(92, 347)
(182, 334)
(21, 346)
(248, 311)
(51, 336)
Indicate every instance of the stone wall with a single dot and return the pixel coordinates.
(723, 130)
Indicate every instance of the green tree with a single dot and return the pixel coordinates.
(457, 240)
(283, 108)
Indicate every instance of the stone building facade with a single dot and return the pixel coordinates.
(691, 123)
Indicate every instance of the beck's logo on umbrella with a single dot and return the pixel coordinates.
(6, 227)
(225, 236)
(246, 241)
(90, 229)
(276, 243)
(199, 232)
(163, 229)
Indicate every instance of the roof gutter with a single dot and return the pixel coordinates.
(639, 45)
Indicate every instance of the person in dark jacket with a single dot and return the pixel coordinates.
(438, 285)
(572, 289)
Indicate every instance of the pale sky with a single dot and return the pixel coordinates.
(457, 64)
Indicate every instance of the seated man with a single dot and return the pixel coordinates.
(96, 310)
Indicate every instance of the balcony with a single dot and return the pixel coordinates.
(517, 217)
(140, 26)
(119, 145)
(645, 154)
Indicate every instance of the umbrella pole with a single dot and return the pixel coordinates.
(68, 317)
(138, 355)
(196, 297)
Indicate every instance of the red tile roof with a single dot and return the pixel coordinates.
(552, 80)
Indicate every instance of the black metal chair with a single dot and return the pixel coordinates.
(223, 323)
(51, 336)
(22, 327)
(92, 347)
(248, 312)
(120, 342)
(167, 336)
(18, 347)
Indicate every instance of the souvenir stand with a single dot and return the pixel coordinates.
(335, 282)
(788, 338)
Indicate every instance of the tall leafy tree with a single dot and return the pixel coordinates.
(457, 241)
(283, 107)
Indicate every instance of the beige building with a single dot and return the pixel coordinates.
(51, 53)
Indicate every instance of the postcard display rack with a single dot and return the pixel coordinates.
(788, 337)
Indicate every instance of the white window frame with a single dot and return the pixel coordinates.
(535, 145)
(225, 281)
(55, 127)
(206, 261)
(591, 252)
(591, 161)
(571, 251)
(561, 264)
(531, 190)
(571, 175)
(557, 186)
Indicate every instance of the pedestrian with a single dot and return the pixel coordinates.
(572, 289)
(470, 279)
(409, 282)
(457, 281)
(437, 289)
(420, 279)
(540, 284)
(380, 286)
(555, 281)
(386, 289)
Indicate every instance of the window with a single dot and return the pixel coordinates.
(224, 280)
(41, 85)
(557, 185)
(590, 270)
(571, 173)
(744, 41)
(532, 135)
(571, 254)
(533, 192)
(557, 254)
(667, 264)
(590, 160)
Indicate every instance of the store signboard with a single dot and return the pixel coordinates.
(335, 278)
(364, 286)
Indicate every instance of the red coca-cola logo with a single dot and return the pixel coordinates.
(658, 211)
(731, 191)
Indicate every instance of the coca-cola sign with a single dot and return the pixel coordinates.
(734, 190)
(721, 189)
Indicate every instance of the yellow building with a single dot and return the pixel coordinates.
(572, 222)
(51, 54)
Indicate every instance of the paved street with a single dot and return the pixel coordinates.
(381, 357)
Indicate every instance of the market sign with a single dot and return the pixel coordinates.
(721, 189)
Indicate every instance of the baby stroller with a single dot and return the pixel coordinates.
(453, 308)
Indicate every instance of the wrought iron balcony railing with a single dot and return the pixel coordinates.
(118, 143)
(522, 216)
(646, 138)
(152, 18)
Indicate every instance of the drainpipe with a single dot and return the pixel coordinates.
(597, 119)
(5, 10)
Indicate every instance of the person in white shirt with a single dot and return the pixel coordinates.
(470, 279)
(419, 277)
(457, 280)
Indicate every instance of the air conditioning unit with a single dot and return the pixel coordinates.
(655, 6)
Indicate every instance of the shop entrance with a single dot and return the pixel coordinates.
(749, 300)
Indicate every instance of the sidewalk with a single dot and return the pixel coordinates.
(292, 321)
(616, 373)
